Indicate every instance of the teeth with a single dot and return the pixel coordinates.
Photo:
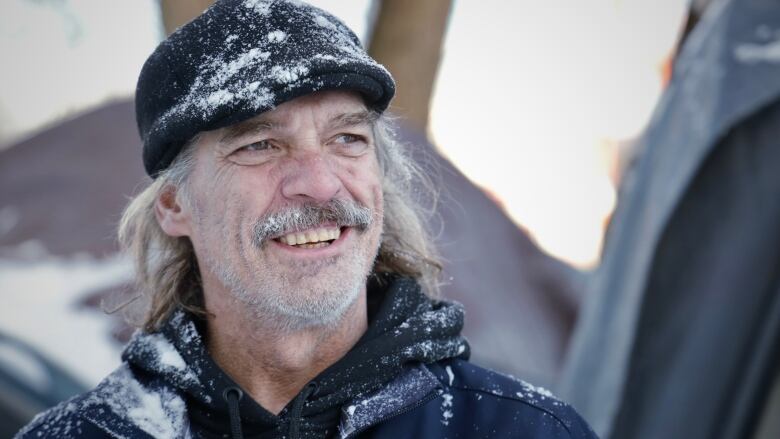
(315, 245)
(311, 238)
(323, 235)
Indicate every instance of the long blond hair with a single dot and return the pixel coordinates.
(167, 275)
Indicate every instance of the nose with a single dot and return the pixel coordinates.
(311, 178)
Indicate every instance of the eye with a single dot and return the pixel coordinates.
(254, 153)
(348, 138)
(350, 144)
(262, 145)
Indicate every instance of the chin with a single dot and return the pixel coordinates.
(302, 308)
(291, 300)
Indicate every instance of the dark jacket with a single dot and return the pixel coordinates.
(407, 380)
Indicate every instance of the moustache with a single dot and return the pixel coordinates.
(342, 213)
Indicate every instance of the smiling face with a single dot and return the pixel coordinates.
(285, 210)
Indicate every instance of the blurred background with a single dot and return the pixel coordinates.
(527, 114)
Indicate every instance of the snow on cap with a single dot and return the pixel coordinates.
(241, 58)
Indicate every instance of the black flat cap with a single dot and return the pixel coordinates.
(241, 58)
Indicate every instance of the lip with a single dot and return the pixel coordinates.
(333, 249)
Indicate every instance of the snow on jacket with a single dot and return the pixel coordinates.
(406, 378)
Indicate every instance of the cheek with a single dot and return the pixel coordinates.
(208, 192)
(365, 183)
(215, 209)
(210, 224)
(225, 231)
(377, 188)
(248, 201)
(380, 201)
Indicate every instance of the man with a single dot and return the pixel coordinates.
(281, 259)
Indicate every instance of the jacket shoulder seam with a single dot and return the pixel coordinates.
(520, 400)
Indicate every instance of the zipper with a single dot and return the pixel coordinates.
(428, 398)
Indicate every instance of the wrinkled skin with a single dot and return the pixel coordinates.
(307, 151)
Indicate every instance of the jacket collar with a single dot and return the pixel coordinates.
(413, 387)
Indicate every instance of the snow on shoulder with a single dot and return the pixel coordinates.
(505, 386)
(161, 356)
(119, 403)
(159, 412)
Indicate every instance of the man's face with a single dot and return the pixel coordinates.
(286, 209)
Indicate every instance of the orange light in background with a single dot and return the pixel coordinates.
(533, 98)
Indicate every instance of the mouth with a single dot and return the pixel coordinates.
(320, 237)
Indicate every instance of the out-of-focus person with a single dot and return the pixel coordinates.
(681, 334)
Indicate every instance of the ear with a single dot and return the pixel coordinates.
(172, 215)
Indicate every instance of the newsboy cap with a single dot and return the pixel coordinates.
(241, 58)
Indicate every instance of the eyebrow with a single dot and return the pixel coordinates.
(353, 119)
(257, 126)
(237, 131)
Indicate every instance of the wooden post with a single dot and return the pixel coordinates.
(407, 38)
(177, 13)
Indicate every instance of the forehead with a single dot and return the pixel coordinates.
(320, 107)
(323, 102)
